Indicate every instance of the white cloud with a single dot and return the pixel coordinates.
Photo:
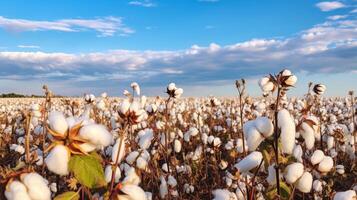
(144, 3)
(330, 47)
(337, 17)
(108, 26)
(330, 5)
(28, 46)
(354, 10)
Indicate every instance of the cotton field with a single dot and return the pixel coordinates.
(172, 147)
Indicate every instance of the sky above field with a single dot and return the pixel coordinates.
(94, 46)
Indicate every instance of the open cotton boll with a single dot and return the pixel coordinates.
(297, 153)
(307, 133)
(58, 122)
(254, 138)
(37, 187)
(287, 126)
(271, 179)
(346, 195)
(132, 192)
(330, 142)
(145, 139)
(249, 162)
(131, 177)
(304, 184)
(163, 188)
(264, 126)
(132, 157)
(177, 146)
(57, 160)
(317, 186)
(16, 191)
(326, 164)
(293, 172)
(317, 157)
(108, 174)
(115, 151)
(141, 163)
(223, 194)
(96, 134)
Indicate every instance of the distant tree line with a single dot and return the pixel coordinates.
(15, 95)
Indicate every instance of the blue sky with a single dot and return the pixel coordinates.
(204, 45)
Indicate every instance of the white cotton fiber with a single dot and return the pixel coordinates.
(249, 162)
(293, 172)
(317, 157)
(287, 126)
(16, 191)
(346, 195)
(96, 134)
(254, 138)
(108, 174)
(304, 184)
(58, 122)
(37, 187)
(326, 164)
(57, 160)
(115, 151)
(132, 192)
(307, 133)
(145, 139)
(264, 126)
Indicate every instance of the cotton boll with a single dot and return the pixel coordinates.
(132, 157)
(297, 153)
(317, 185)
(115, 151)
(254, 138)
(308, 134)
(131, 177)
(57, 160)
(16, 190)
(330, 142)
(177, 146)
(171, 181)
(58, 122)
(249, 162)
(287, 126)
(271, 179)
(124, 107)
(37, 187)
(264, 126)
(145, 139)
(163, 188)
(293, 172)
(141, 163)
(108, 174)
(132, 192)
(317, 157)
(346, 195)
(96, 134)
(326, 164)
(304, 184)
(223, 194)
(340, 169)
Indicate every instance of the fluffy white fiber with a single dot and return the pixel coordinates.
(308, 134)
(256, 131)
(57, 160)
(96, 134)
(287, 126)
(58, 122)
(16, 191)
(293, 172)
(223, 194)
(108, 174)
(132, 192)
(249, 162)
(346, 195)
(37, 187)
(304, 184)
(115, 151)
(317, 157)
(326, 164)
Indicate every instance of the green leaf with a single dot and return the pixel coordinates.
(88, 170)
(285, 192)
(67, 196)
